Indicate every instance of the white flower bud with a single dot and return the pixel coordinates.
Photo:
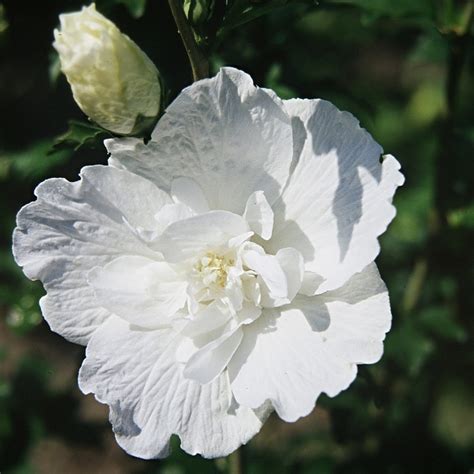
(113, 81)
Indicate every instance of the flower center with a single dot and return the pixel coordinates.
(212, 269)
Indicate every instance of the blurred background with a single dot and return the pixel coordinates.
(406, 70)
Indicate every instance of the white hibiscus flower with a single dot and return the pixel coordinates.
(222, 270)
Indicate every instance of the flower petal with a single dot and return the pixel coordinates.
(187, 191)
(136, 374)
(269, 269)
(226, 134)
(172, 213)
(279, 276)
(249, 313)
(141, 291)
(73, 227)
(338, 200)
(209, 361)
(259, 215)
(189, 237)
(359, 311)
(291, 261)
(290, 356)
(208, 319)
(310, 284)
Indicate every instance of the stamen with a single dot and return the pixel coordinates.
(213, 268)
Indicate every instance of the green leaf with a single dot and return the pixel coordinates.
(273, 80)
(54, 70)
(375, 9)
(452, 416)
(136, 8)
(431, 47)
(30, 164)
(24, 316)
(409, 347)
(463, 217)
(80, 134)
(243, 11)
(438, 321)
(3, 20)
(426, 104)
(198, 11)
(454, 17)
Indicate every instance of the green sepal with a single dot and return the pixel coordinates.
(136, 8)
(198, 12)
(79, 135)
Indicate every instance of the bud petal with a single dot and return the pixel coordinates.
(198, 11)
(112, 80)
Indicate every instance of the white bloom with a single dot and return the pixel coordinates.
(113, 81)
(220, 271)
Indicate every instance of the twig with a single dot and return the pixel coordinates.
(199, 62)
(458, 48)
(235, 462)
(415, 285)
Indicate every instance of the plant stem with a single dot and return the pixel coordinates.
(415, 285)
(199, 62)
(458, 48)
(235, 462)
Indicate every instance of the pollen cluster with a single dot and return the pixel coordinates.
(213, 269)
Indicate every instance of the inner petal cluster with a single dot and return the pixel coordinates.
(209, 279)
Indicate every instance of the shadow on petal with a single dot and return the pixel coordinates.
(348, 141)
(122, 420)
(315, 311)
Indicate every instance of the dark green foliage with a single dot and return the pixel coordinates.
(79, 135)
(136, 8)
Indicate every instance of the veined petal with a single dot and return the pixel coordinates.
(280, 275)
(239, 239)
(310, 284)
(141, 291)
(338, 200)
(208, 319)
(291, 355)
(291, 261)
(359, 311)
(224, 133)
(249, 313)
(171, 213)
(209, 361)
(188, 192)
(269, 269)
(73, 227)
(259, 215)
(187, 238)
(137, 375)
